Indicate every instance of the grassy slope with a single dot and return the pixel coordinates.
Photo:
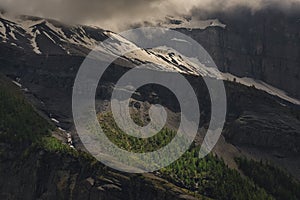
(210, 176)
(24, 135)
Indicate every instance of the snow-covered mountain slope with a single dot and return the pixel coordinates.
(49, 37)
(44, 36)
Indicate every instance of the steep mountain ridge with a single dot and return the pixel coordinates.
(36, 36)
(45, 36)
(46, 70)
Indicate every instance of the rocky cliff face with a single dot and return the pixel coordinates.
(264, 45)
(40, 174)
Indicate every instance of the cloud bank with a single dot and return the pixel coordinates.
(119, 14)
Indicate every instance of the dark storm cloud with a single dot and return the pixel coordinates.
(117, 14)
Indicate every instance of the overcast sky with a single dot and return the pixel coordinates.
(118, 14)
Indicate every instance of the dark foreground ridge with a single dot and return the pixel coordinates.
(34, 165)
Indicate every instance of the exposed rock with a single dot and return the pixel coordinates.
(62, 176)
(264, 45)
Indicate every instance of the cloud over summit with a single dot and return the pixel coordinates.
(118, 14)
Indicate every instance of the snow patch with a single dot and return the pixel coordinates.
(180, 40)
(55, 120)
(48, 36)
(33, 42)
(11, 33)
(59, 128)
(3, 30)
(17, 84)
(118, 44)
